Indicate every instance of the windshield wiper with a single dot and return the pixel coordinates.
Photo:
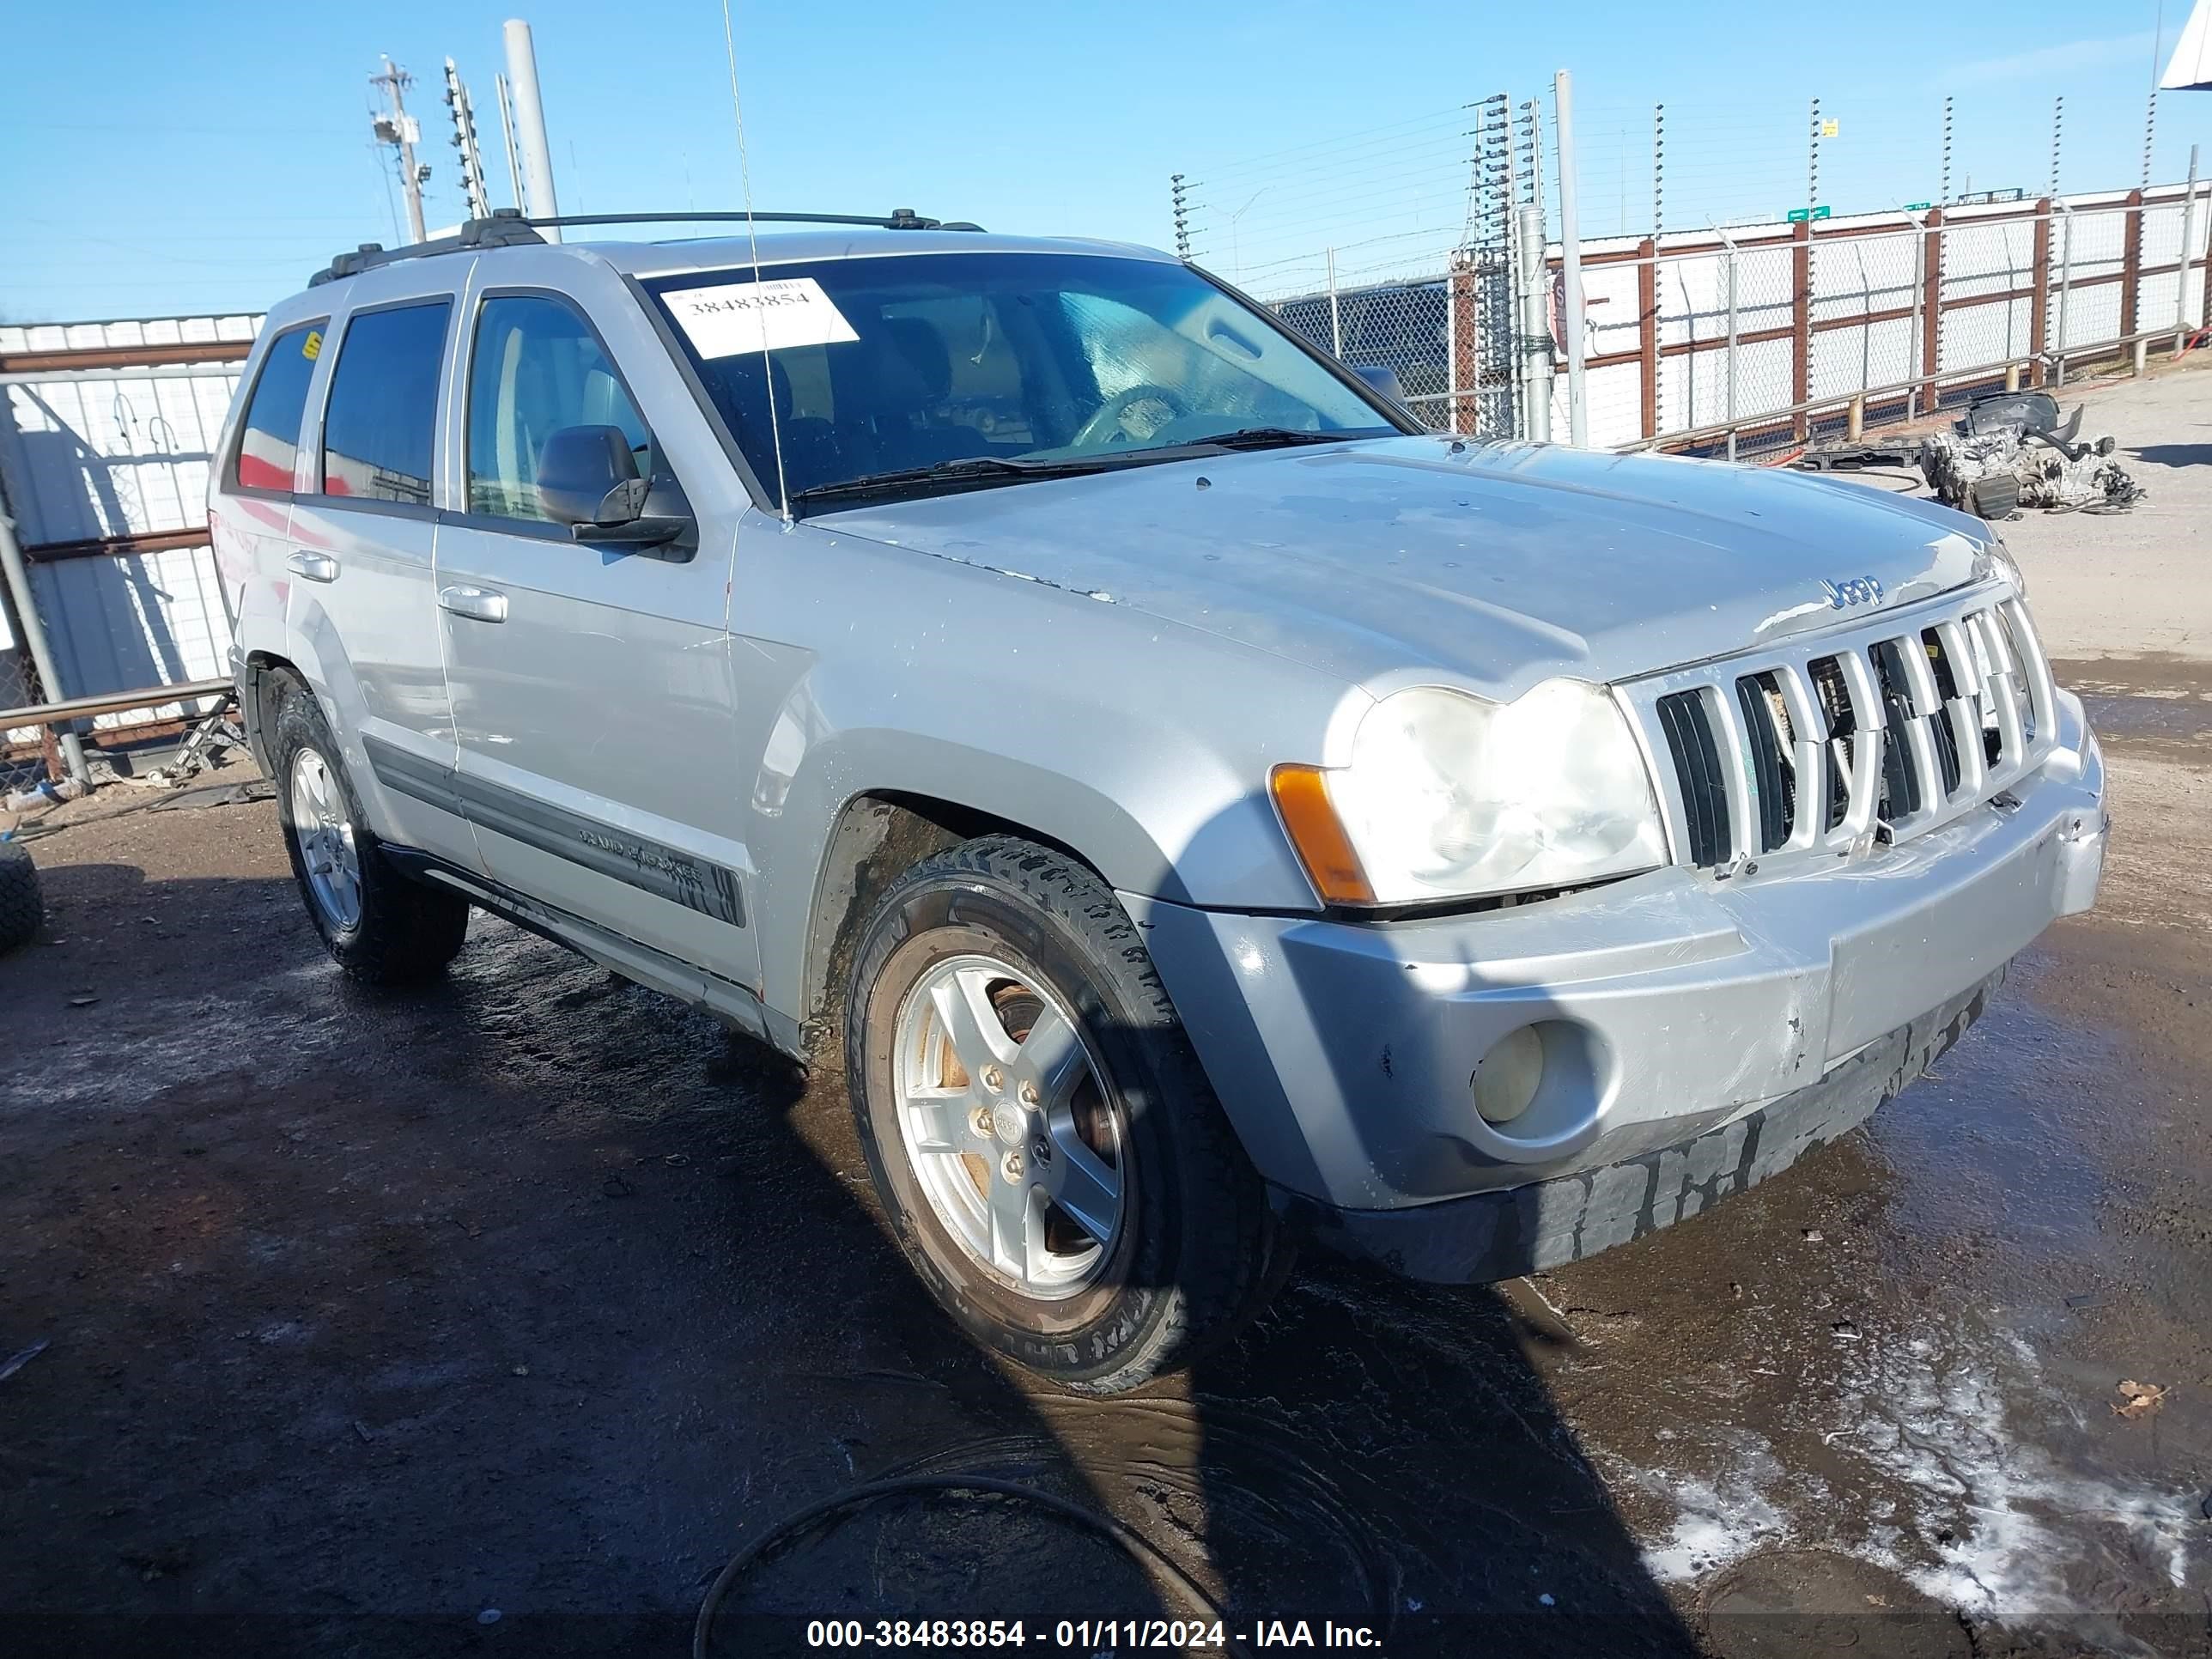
(988, 469)
(966, 467)
(1271, 437)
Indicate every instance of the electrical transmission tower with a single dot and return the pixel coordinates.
(464, 140)
(396, 127)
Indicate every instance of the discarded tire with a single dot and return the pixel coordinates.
(22, 909)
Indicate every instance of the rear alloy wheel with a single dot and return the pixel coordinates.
(1045, 1143)
(330, 858)
(380, 926)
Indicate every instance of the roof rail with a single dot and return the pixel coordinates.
(900, 219)
(505, 227)
(508, 227)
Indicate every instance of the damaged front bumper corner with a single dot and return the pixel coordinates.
(1698, 1034)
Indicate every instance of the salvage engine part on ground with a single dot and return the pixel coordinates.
(216, 733)
(21, 906)
(1854, 457)
(2010, 451)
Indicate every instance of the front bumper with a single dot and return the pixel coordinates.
(1671, 1006)
(1487, 1236)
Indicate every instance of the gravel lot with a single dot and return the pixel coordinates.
(494, 1319)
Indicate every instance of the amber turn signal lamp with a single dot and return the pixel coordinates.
(1302, 799)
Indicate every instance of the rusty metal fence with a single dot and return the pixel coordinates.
(1753, 340)
(1737, 338)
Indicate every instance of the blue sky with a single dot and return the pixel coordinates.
(162, 161)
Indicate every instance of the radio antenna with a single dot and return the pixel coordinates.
(752, 239)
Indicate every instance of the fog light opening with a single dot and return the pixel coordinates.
(1506, 1082)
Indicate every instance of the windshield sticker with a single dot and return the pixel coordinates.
(732, 318)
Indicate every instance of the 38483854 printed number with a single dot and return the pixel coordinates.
(926, 1634)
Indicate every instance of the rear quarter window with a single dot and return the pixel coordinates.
(269, 445)
(380, 427)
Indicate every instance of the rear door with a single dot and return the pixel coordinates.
(250, 506)
(592, 685)
(363, 529)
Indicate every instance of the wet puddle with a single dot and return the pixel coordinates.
(2170, 718)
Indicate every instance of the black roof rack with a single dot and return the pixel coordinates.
(508, 227)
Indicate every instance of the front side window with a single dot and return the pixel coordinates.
(380, 428)
(536, 368)
(269, 445)
(867, 372)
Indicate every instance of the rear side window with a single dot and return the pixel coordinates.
(270, 443)
(537, 368)
(379, 428)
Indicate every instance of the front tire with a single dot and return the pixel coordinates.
(1046, 1146)
(380, 927)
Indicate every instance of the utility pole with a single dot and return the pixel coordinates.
(398, 128)
(464, 140)
(530, 126)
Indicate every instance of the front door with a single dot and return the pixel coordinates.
(592, 686)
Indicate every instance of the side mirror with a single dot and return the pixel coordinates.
(1381, 377)
(587, 479)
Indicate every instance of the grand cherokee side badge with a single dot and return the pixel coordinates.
(1858, 590)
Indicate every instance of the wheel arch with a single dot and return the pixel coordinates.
(257, 702)
(876, 837)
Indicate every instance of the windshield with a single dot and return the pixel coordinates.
(952, 371)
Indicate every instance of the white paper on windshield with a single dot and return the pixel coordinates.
(735, 316)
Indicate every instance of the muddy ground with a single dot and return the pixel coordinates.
(493, 1319)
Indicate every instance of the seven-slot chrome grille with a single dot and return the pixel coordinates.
(1883, 731)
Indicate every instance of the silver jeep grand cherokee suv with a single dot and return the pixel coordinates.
(1197, 808)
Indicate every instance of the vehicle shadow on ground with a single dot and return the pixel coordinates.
(2174, 454)
(533, 1294)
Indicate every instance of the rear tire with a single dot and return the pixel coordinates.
(382, 928)
(22, 908)
(996, 1172)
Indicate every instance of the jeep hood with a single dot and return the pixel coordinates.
(1501, 563)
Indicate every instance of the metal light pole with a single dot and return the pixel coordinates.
(1728, 277)
(1570, 259)
(1535, 327)
(539, 199)
(2188, 252)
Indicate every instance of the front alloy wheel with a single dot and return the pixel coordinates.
(1010, 1137)
(1048, 1151)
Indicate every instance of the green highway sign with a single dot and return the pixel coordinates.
(1799, 215)
(1917, 207)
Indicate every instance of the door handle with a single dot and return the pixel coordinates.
(477, 603)
(313, 566)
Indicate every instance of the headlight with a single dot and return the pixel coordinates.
(2001, 561)
(1450, 796)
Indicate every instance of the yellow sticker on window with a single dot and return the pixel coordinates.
(312, 347)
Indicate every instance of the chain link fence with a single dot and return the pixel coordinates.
(1420, 283)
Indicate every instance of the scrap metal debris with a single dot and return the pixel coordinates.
(2012, 451)
(2140, 1398)
(2009, 450)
